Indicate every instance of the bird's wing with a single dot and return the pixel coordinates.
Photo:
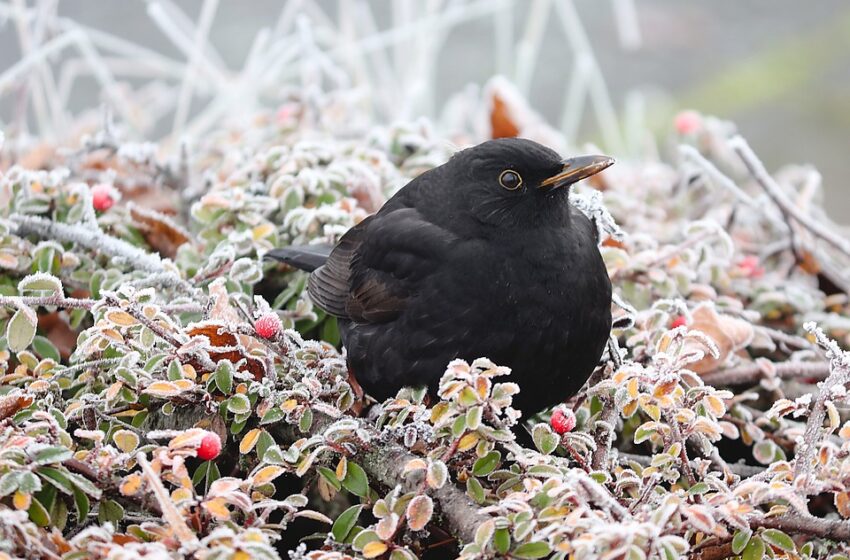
(328, 285)
(374, 270)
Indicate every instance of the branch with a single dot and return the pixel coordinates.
(832, 529)
(56, 300)
(753, 372)
(777, 195)
(95, 240)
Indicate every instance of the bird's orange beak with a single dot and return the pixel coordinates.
(576, 169)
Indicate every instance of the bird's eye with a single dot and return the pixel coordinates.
(510, 179)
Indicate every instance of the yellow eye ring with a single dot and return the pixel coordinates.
(510, 179)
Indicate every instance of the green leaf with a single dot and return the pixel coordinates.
(345, 523)
(21, 330)
(40, 283)
(29, 483)
(224, 377)
(110, 511)
(306, 421)
(38, 514)
(263, 443)
(355, 480)
(698, 488)
(544, 439)
(52, 454)
(81, 502)
(459, 426)
(330, 476)
(363, 538)
(239, 404)
(44, 348)
(59, 514)
(486, 464)
(85, 485)
(474, 490)
(274, 456)
(532, 550)
(754, 549)
(272, 415)
(9, 483)
(502, 540)
(645, 431)
(740, 540)
(778, 539)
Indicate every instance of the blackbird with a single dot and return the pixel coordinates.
(483, 256)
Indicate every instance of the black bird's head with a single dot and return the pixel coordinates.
(514, 182)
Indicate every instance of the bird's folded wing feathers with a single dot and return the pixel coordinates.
(369, 277)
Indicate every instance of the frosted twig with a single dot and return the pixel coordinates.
(170, 514)
(95, 240)
(753, 372)
(839, 375)
(56, 300)
(717, 175)
(779, 198)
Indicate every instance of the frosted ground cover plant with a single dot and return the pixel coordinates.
(121, 361)
(165, 393)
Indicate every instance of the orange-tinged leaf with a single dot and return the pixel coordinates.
(126, 440)
(341, 468)
(189, 438)
(181, 494)
(120, 318)
(249, 441)
(21, 500)
(189, 372)
(630, 408)
(468, 441)
(289, 405)
(217, 507)
(715, 405)
(502, 124)
(842, 504)
(267, 474)
(131, 485)
(632, 387)
(419, 512)
(374, 549)
(262, 230)
(114, 389)
(184, 384)
(163, 389)
(112, 334)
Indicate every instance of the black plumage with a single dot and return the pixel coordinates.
(483, 256)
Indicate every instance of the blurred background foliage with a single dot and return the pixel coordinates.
(779, 69)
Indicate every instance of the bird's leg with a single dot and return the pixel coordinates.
(359, 397)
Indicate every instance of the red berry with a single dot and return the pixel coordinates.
(750, 266)
(268, 325)
(101, 197)
(679, 321)
(688, 122)
(563, 420)
(210, 447)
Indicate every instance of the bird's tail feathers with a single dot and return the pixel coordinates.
(304, 257)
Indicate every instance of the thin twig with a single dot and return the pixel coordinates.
(753, 372)
(777, 195)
